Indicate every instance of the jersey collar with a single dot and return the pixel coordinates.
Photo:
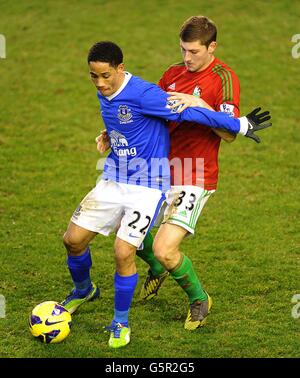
(125, 82)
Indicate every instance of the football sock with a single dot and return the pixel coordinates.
(124, 289)
(79, 267)
(146, 254)
(185, 275)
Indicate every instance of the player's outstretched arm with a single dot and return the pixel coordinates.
(154, 102)
(182, 101)
(247, 125)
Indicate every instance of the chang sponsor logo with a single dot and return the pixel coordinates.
(119, 145)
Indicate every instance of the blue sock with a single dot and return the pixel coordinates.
(124, 289)
(79, 267)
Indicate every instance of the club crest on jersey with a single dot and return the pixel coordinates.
(124, 114)
(228, 109)
(197, 91)
(172, 87)
(119, 144)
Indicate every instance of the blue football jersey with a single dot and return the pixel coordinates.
(134, 118)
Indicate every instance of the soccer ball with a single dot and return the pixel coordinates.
(50, 322)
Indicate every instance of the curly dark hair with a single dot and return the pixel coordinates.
(105, 51)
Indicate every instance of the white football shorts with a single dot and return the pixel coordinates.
(183, 206)
(112, 206)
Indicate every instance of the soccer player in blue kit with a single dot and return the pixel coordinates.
(135, 178)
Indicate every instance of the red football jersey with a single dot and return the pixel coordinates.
(219, 87)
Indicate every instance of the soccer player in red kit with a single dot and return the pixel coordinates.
(208, 82)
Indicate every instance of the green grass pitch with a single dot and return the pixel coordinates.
(246, 250)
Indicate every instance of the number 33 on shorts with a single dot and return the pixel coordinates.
(184, 205)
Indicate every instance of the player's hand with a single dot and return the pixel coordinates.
(102, 141)
(256, 122)
(183, 101)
